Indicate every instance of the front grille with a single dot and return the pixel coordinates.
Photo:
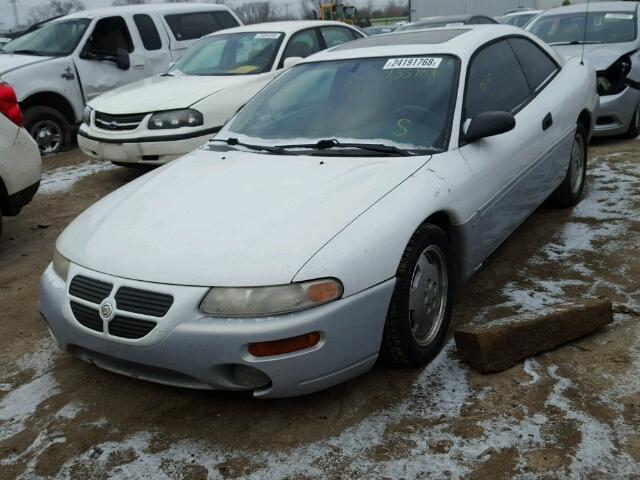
(125, 327)
(89, 289)
(87, 316)
(143, 301)
(118, 122)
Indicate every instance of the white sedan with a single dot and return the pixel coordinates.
(155, 120)
(331, 220)
(20, 163)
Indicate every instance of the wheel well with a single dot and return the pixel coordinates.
(441, 219)
(53, 100)
(585, 119)
(4, 197)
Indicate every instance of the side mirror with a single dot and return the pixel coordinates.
(488, 124)
(122, 59)
(291, 61)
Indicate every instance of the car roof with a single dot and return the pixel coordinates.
(446, 19)
(522, 12)
(594, 7)
(164, 8)
(286, 26)
(459, 41)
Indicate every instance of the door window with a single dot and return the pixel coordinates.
(302, 44)
(189, 26)
(334, 36)
(537, 65)
(495, 81)
(148, 32)
(109, 35)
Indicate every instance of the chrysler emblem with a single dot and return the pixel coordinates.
(106, 310)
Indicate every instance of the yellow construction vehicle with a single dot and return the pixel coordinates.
(340, 12)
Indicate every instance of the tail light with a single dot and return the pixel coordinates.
(9, 104)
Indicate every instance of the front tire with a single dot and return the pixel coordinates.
(570, 190)
(420, 309)
(48, 127)
(634, 127)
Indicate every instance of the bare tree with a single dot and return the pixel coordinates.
(54, 8)
(309, 9)
(258, 12)
(117, 3)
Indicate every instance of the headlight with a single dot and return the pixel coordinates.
(175, 119)
(86, 115)
(256, 301)
(60, 265)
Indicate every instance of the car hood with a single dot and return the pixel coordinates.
(229, 219)
(162, 93)
(9, 61)
(601, 56)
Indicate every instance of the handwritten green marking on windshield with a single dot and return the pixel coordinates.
(402, 127)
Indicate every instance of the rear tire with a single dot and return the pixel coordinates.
(420, 308)
(49, 128)
(570, 190)
(634, 127)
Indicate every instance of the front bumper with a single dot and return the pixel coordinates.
(143, 151)
(616, 112)
(188, 349)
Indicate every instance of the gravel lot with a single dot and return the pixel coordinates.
(572, 412)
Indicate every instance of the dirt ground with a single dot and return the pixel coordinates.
(573, 412)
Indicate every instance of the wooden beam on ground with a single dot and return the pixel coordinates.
(498, 345)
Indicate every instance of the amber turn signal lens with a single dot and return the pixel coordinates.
(286, 345)
(323, 291)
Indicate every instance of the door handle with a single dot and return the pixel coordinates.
(138, 67)
(547, 121)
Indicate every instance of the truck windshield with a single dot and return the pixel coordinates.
(404, 102)
(53, 39)
(231, 54)
(602, 27)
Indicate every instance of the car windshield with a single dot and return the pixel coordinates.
(50, 39)
(231, 54)
(519, 20)
(601, 27)
(403, 102)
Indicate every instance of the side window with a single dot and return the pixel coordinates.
(189, 26)
(334, 36)
(148, 32)
(302, 44)
(108, 36)
(495, 81)
(537, 65)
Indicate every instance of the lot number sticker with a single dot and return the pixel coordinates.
(618, 16)
(412, 62)
(267, 35)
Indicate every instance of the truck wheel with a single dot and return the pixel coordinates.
(48, 127)
(420, 308)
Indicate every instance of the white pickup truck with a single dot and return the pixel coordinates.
(59, 65)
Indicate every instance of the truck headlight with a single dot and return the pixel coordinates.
(259, 301)
(175, 119)
(86, 115)
(60, 265)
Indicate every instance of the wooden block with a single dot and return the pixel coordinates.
(498, 345)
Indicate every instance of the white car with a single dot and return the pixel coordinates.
(58, 65)
(156, 120)
(20, 163)
(331, 219)
(520, 18)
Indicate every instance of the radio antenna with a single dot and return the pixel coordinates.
(584, 34)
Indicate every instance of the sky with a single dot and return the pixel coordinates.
(6, 13)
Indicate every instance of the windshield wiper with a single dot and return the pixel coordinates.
(576, 42)
(333, 143)
(234, 141)
(28, 52)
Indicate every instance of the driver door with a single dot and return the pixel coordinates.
(97, 61)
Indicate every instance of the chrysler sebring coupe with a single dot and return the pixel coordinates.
(331, 220)
(156, 120)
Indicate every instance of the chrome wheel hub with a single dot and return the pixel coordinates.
(577, 164)
(48, 136)
(428, 295)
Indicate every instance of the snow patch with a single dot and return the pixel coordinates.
(62, 179)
